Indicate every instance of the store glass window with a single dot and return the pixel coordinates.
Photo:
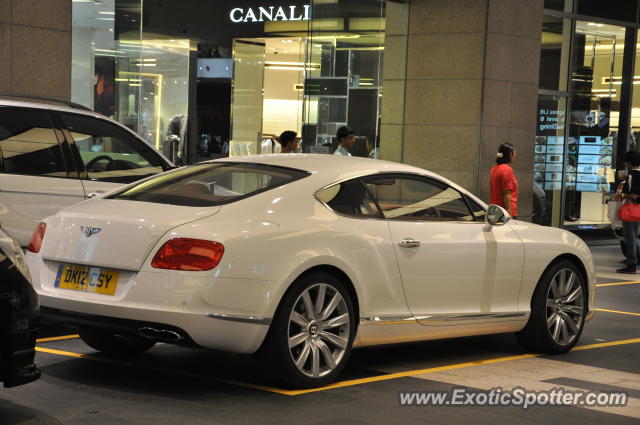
(554, 53)
(634, 139)
(237, 76)
(105, 47)
(596, 79)
(549, 160)
(624, 10)
(344, 83)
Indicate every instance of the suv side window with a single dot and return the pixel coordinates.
(350, 198)
(110, 153)
(404, 197)
(29, 144)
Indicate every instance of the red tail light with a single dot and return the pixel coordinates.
(36, 239)
(188, 254)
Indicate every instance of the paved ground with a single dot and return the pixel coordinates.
(171, 385)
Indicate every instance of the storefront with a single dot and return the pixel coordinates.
(588, 111)
(226, 77)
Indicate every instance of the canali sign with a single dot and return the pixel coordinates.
(270, 13)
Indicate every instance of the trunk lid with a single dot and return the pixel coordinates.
(111, 233)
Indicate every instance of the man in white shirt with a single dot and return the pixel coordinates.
(346, 140)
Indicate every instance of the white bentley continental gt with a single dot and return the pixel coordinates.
(300, 259)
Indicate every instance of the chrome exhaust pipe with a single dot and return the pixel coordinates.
(160, 334)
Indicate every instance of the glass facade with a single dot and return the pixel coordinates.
(208, 79)
(201, 80)
(587, 113)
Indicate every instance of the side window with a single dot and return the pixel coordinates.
(478, 212)
(349, 198)
(110, 153)
(29, 145)
(415, 198)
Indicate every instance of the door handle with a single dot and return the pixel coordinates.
(409, 243)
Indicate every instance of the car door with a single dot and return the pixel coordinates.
(36, 178)
(453, 266)
(109, 156)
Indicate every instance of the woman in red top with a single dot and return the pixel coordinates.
(503, 183)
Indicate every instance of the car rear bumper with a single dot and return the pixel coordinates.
(181, 328)
(212, 312)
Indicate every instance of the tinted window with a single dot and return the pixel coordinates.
(350, 198)
(415, 198)
(29, 144)
(210, 184)
(110, 153)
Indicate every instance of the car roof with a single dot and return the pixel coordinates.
(50, 106)
(334, 168)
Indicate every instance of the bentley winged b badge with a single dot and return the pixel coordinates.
(89, 231)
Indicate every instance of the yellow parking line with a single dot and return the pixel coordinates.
(347, 383)
(606, 344)
(57, 338)
(616, 284)
(62, 353)
(406, 374)
(618, 312)
(157, 369)
(448, 367)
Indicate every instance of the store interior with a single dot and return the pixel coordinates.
(215, 89)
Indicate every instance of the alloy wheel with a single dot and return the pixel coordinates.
(565, 309)
(319, 328)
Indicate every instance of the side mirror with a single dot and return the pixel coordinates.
(497, 216)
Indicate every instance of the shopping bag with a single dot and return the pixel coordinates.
(630, 212)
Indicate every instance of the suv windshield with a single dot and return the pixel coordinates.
(210, 184)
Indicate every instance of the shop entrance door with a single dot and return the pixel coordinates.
(590, 166)
(247, 97)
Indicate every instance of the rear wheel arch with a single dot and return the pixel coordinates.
(322, 268)
(338, 273)
(276, 349)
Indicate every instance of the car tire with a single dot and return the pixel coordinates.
(310, 349)
(113, 343)
(558, 310)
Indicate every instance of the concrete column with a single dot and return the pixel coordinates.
(35, 47)
(470, 84)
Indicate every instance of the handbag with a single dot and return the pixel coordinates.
(613, 209)
(629, 212)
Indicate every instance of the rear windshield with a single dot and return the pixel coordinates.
(210, 184)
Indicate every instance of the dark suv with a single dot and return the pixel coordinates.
(19, 314)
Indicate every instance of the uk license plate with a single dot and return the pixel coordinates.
(87, 279)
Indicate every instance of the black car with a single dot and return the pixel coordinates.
(19, 316)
